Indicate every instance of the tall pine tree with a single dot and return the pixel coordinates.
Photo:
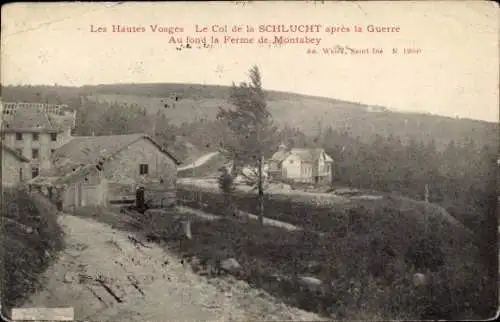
(252, 128)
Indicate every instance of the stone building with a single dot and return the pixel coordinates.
(35, 131)
(13, 165)
(103, 170)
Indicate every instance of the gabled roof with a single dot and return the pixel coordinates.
(84, 150)
(308, 155)
(14, 153)
(280, 155)
(66, 178)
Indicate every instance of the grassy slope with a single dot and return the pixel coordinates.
(383, 240)
(308, 114)
(31, 238)
(303, 111)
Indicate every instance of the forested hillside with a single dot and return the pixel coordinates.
(187, 102)
(457, 159)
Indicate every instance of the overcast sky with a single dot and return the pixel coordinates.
(456, 73)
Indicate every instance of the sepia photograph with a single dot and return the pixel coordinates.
(249, 161)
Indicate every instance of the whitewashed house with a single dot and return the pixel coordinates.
(301, 165)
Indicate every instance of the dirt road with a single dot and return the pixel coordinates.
(106, 276)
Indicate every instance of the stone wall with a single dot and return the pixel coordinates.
(123, 168)
(10, 169)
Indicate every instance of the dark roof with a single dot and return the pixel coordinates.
(14, 152)
(280, 155)
(32, 119)
(85, 150)
(308, 155)
(66, 178)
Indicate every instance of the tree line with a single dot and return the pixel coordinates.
(461, 177)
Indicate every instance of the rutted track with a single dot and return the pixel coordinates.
(107, 274)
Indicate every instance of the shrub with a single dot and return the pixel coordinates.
(30, 240)
(379, 246)
(226, 186)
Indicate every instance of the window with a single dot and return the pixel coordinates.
(143, 169)
(3, 136)
(53, 137)
(34, 154)
(19, 151)
(34, 172)
(20, 174)
(35, 136)
(52, 151)
(19, 136)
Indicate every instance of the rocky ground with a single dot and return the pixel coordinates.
(108, 275)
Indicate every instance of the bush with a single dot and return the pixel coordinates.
(379, 246)
(30, 240)
(226, 186)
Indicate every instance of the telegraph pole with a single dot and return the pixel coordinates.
(261, 188)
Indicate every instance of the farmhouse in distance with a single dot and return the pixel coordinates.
(301, 165)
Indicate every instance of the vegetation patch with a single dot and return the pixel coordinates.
(364, 271)
(376, 246)
(30, 239)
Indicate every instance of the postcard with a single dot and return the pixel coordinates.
(260, 160)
